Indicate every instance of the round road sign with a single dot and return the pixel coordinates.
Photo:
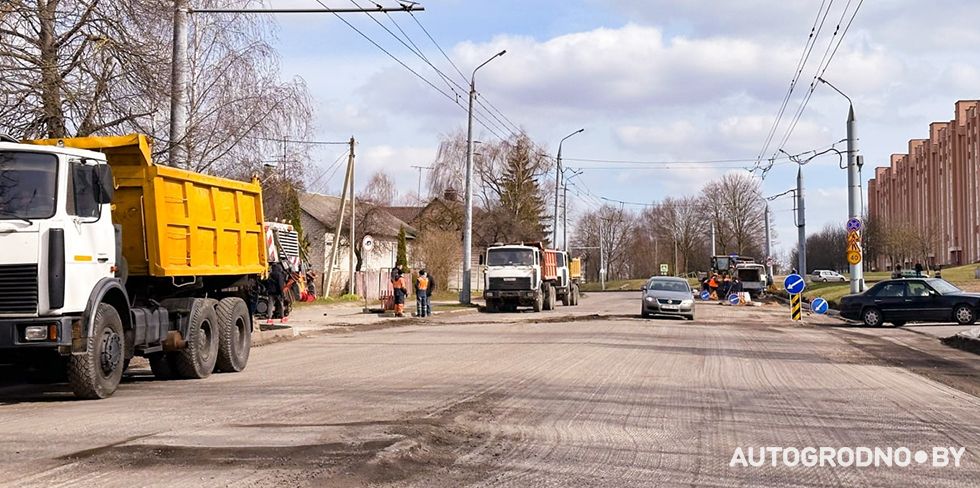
(733, 299)
(794, 284)
(706, 295)
(367, 243)
(854, 225)
(854, 258)
(820, 306)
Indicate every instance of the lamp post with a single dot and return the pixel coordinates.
(558, 175)
(855, 194)
(464, 293)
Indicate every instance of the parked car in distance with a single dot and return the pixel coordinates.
(903, 300)
(663, 295)
(826, 276)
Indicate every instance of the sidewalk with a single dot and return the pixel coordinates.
(318, 318)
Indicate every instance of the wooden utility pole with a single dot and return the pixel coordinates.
(348, 180)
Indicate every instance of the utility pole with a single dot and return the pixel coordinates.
(353, 221)
(602, 260)
(768, 246)
(465, 292)
(855, 193)
(564, 210)
(801, 220)
(714, 240)
(348, 176)
(558, 178)
(178, 83)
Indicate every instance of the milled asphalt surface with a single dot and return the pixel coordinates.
(586, 396)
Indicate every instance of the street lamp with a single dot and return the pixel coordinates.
(464, 293)
(558, 175)
(855, 194)
(800, 212)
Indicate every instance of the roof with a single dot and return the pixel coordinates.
(324, 209)
(405, 214)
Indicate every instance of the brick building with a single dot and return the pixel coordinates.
(934, 189)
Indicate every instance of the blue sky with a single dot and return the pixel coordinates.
(648, 80)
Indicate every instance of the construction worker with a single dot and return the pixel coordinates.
(713, 286)
(422, 288)
(400, 288)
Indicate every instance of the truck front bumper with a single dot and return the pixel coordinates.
(510, 294)
(57, 332)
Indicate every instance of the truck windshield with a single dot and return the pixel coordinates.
(510, 257)
(28, 182)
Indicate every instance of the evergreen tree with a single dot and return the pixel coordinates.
(401, 261)
(522, 204)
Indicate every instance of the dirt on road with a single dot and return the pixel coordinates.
(592, 396)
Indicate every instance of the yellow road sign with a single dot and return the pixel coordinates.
(853, 237)
(853, 247)
(854, 258)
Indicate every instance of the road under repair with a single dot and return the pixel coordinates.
(585, 396)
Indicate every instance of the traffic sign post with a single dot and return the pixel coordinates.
(854, 225)
(796, 307)
(664, 269)
(705, 295)
(819, 306)
(733, 299)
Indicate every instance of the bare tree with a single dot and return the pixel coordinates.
(439, 253)
(81, 67)
(380, 190)
(612, 229)
(733, 204)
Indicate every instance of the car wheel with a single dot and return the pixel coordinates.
(872, 317)
(965, 315)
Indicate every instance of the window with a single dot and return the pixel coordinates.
(28, 185)
(83, 189)
(510, 257)
(944, 287)
(918, 289)
(891, 290)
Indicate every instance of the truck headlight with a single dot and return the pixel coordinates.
(36, 333)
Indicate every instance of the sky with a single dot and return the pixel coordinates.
(648, 80)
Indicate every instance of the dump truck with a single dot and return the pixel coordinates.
(108, 256)
(527, 275)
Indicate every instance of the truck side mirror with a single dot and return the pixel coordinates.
(104, 186)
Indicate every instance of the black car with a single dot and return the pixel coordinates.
(904, 300)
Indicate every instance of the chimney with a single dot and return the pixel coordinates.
(450, 195)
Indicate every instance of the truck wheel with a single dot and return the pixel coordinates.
(538, 304)
(197, 360)
(566, 298)
(548, 293)
(163, 365)
(235, 328)
(492, 306)
(96, 374)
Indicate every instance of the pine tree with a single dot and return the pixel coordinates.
(401, 261)
(522, 202)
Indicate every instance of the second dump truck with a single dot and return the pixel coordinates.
(108, 256)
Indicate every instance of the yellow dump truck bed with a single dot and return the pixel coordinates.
(178, 223)
(575, 268)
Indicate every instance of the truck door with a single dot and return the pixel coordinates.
(90, 243)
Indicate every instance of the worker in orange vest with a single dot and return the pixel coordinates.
(423, 285)
(400, 288)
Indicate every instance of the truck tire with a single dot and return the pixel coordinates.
(492, 306)
(97, 373)
(566, 298)
(197, 360)
(538, 304)
(548, 293)
(164, 365)
(235, 331)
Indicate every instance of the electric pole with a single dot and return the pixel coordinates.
(353, 221)
(421, 168)
(801, 220)
(466, 288)
(564, 210)
(558, 178)
(334, 248)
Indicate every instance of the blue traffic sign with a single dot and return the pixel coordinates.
(794, 284)
(706, 295)
(733, 299)
(854, 225)
(820, 306)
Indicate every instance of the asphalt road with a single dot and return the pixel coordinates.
(597, 397)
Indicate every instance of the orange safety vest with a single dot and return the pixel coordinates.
(423, 283)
